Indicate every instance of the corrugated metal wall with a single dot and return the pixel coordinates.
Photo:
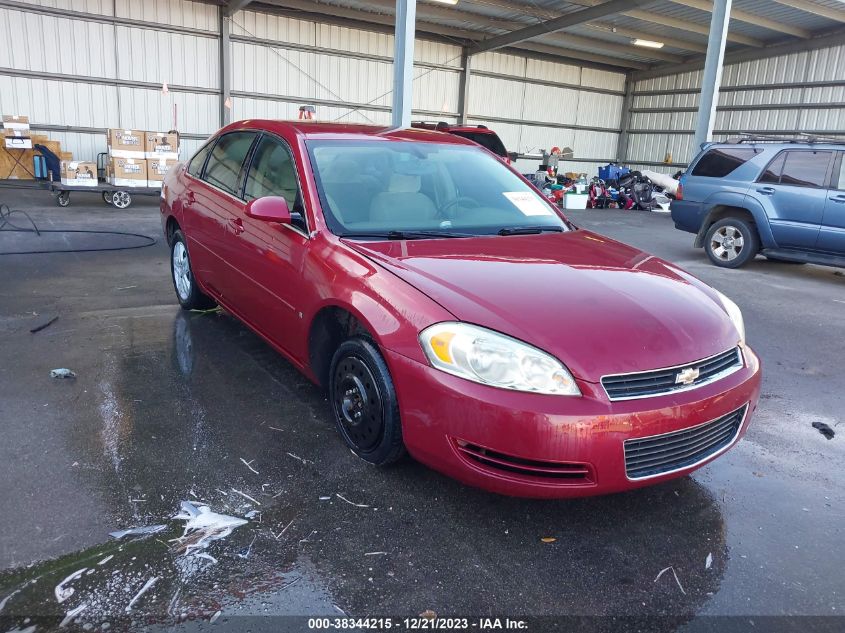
(535, 105)
(800, 92)
(77, 67)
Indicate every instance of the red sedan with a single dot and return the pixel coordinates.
(451, 311)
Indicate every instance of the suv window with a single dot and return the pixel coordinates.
(841, 179)
(272, 172)
(227, 158)
(798, 168)
(490, 141)
(721, 161)
(197, 162)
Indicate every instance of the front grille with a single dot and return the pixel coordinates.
(532, 468)
(662, 381)
(659, 454)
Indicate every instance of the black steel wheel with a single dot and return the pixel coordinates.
(364, 402)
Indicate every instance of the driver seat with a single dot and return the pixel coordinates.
(403, 202)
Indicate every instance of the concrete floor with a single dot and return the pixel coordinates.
(167, 406)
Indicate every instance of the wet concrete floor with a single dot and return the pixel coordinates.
(169, 406)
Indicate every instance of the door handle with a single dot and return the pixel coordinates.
(840, 198)
(766, 191)
(237, 225)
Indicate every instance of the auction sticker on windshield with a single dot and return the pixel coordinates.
(527, 203)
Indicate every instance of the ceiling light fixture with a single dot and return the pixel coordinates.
(445, 1)
(647, 43)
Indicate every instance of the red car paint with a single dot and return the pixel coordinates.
(599, 306)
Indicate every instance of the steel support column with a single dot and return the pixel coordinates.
(463, 89)
(625, 123)
(225, 69)
(403, 62)
(712, 75)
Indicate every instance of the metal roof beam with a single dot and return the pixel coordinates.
(816, 9)
(749, 18)
(565, 21)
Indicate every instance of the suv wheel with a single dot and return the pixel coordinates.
(731, 242)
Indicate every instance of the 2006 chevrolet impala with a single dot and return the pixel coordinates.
(451, 311)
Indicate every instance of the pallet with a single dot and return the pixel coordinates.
(18, 163)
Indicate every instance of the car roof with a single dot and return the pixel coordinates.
(347, 131)
(779, 145)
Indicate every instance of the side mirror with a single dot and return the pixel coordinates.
(269, 209)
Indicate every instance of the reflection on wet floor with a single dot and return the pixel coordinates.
(195, 407)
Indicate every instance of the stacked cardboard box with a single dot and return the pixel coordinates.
(79, 173)
(140, 159)
(16, 133)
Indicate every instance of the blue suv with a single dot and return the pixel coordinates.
(782, 199)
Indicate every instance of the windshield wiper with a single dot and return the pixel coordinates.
(528, 230)
(408, 235)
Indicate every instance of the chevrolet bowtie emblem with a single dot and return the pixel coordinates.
(687, 376)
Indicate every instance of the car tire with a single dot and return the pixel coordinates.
(731, 242)
(364, 402)
(187, 291)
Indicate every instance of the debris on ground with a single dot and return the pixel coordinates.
(298, 458)
(44, 324)
(248, 464)
(62, 372)
(252, 514)
(62, 592)
(71, 615)
(352, 503)
(246, 496)
(145, 530)
(144, 590)
(428, 614)
(548, 539)
(824, 429)
(708, 562)
(203, 526)
(677, 580)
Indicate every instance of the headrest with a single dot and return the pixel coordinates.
(343, 170)
(404, 183)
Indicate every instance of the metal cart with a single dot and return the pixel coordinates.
(118, 196)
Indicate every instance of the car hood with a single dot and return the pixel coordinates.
(599, 306)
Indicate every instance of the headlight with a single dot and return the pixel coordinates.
(490, 358)
(735, 314)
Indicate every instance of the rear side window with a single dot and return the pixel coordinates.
(841, 172)
(805, 169)
(721, 161)
(195, 166)
(226, 161)
(490, 141)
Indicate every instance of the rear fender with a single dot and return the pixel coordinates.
(727, 204)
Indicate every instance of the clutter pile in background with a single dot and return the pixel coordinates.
(615, 187)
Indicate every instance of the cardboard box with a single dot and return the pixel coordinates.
(126, 143)
(16, 138)
(162, 145)
(128, 172)
(16, 122)
(156, 170)
(80, 174)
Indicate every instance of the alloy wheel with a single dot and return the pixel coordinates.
(181, 271)
(727, 243)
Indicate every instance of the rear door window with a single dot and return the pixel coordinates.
(839, 182)
(799, 168)
(721, 161)
(197, 162)
(225, 164)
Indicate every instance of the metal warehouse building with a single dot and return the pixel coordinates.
(542, 73)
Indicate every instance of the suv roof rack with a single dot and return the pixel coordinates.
(747, 137)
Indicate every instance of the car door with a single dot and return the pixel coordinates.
(832, 233)
(268, 281)
(793, 191)
(214, 205)
(196, 223)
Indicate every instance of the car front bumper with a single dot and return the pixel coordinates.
(534, 445)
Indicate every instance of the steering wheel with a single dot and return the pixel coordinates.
(444, 210)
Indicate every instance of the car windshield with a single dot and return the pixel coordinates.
(372, 188)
